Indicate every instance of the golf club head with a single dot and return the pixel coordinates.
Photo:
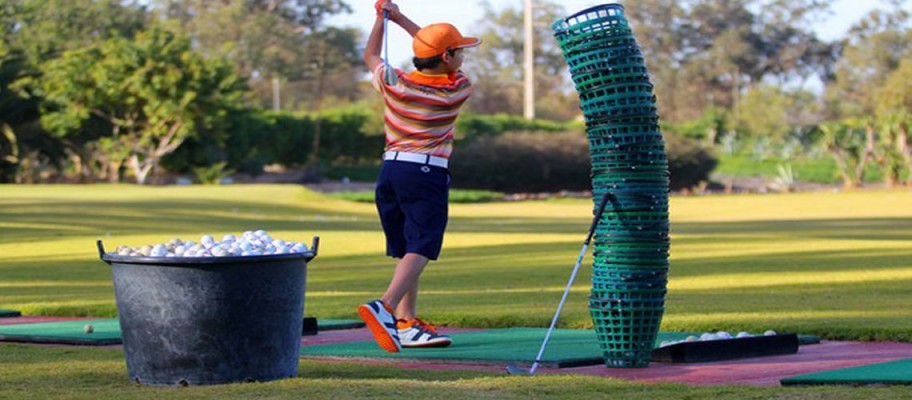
(513, 370)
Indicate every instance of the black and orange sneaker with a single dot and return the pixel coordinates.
(379, 319)
(417, 333)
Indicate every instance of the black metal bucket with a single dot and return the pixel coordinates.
(207, 321)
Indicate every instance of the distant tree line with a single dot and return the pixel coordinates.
(117, 90)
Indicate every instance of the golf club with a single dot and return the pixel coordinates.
(386, 66)
(513, 370)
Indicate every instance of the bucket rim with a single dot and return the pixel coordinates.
(112, 258)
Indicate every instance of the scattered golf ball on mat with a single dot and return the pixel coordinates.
(88, 329)
(250, 243)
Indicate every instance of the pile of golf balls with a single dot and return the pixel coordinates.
(720, 335)
(250, 243)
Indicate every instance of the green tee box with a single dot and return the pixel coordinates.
(9, 313)
(567, 348)
(890, 373)
(106, 331)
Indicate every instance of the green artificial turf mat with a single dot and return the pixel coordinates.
(9, 313)
(339, 324)
(567, 347)
(890, 373)
(107, 331)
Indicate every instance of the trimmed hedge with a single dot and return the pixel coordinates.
(501, 153)
(547, 162)
(689, 162)
(524, 162)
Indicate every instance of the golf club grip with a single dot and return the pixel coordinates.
(597, 216)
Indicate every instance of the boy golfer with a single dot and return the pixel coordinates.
(413, 186)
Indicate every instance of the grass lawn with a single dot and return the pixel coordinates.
(837, 265)
(84, 373)
(832, 264)
(821, 170)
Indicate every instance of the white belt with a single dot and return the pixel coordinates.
(416, 158)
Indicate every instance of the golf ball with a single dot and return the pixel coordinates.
(249, 243)
(723, 335)
(743, 334)
(88, 329)
(769, 333)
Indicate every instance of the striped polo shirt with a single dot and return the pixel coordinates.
(421, 110)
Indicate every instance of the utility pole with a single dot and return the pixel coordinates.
(276, 94)
(528, 64)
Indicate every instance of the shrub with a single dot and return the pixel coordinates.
(689, 162)
(524, 162)
(456, 196)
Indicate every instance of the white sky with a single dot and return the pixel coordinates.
(464, 13)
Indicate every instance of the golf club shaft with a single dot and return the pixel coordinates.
(560, 306)
(386, 66)
(579, 260)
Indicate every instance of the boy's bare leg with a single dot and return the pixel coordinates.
(408, 306)
(405, 282)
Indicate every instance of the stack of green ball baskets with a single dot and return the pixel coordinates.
(630, 270)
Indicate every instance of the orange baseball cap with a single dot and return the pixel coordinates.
(435, 39)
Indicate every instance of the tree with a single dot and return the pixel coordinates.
(496, 68)
(871, 84)
(35, 32)
(139, 98)
(267, 39)
(705, 53)
(771, 111)
(851, 144)
(44, 29)
(874, 49)
(894, 109)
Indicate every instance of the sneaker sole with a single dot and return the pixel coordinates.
(431, 344)
(383, 338)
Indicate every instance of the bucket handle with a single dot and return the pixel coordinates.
(101, 251)
(315, 245)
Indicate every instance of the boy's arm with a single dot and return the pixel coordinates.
(407, 24)
(374, 44)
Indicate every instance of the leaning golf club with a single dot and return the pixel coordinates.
(513, 370)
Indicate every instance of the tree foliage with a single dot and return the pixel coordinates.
(706, 53)
(266, 39)
(496, 67)
(139, 99)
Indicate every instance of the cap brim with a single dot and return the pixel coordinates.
(468, 42)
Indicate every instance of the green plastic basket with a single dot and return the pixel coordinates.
(611, 56)
(595, 63)
(618, 112)
(606, 272)
(591, 19)
(615, 296)
(596, 121)
(621, 142)
(589, 82)
(626, 338)
(615, 38)
(632, 157)
(609, 131)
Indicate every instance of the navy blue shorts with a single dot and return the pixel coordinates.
(413, 202)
